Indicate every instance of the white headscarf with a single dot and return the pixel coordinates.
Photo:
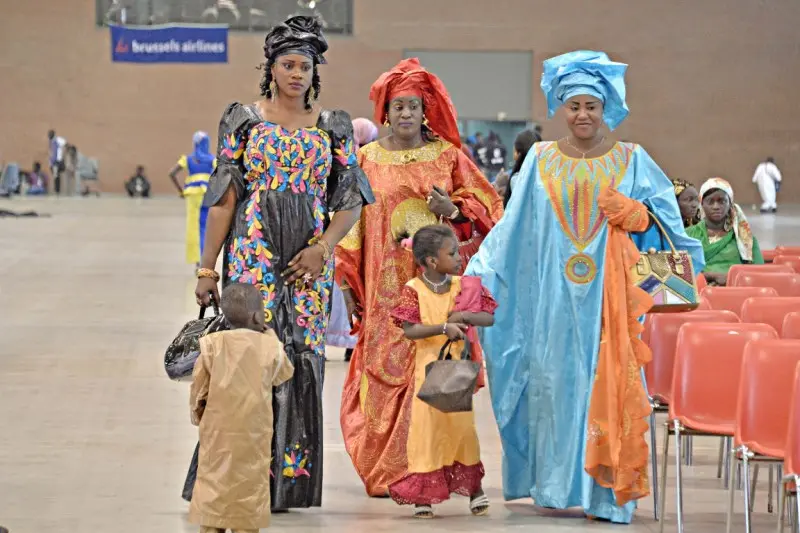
(741, 228)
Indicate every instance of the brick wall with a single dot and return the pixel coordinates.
(712, 84)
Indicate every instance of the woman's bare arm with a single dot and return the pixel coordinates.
(341, 222)
(220, 217)
(173, 175)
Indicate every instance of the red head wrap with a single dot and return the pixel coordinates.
(409, 78)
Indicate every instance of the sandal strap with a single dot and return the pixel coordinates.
(480, 501)
(423, 509)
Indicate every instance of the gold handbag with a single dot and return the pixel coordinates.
(667, 276)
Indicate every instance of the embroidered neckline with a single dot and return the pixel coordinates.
(430, 152)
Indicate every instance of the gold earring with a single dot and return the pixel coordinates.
(312, 95)
(387, 123)
(273, 90)
(425, 121)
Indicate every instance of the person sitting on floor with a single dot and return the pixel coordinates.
(138, 185)
(37, 180)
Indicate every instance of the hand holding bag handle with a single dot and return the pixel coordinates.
(466, 352)
(214, 304)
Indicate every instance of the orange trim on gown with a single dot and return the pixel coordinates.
(376, 398)
(616, 451)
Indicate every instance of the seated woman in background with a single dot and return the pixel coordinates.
(724, 232)
(688, 201)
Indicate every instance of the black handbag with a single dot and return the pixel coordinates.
(185, 349)
(450, 383)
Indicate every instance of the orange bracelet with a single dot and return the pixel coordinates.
(207, 273)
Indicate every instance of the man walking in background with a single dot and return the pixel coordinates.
(768, 178)
(58, 150)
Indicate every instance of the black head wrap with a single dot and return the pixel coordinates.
(297, 35)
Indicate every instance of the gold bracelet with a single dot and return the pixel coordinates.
(326, 249)
(207, 273)
(345, 287)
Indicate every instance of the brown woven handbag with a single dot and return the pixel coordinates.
(450, 383)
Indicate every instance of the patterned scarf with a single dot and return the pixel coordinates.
(741, 228)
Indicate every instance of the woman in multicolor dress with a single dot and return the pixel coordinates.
(559, 263)
(198, 167)
(420, 176)
(283, 165)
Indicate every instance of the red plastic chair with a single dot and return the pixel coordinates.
(664, 329)
(791, 326)
(770, 311)
(785, 284)
(788, 250)
(762, 412)
(705, 387)
(789, 260)
(701, 283)
(791, 456)
(663, 338)
(769, 255)
(736, 270)
(732, 298)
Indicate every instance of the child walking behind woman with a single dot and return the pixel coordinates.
(443, 451)
(231, 400)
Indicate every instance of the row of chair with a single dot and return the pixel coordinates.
(771, 255)
(706, 369)
(730, 380)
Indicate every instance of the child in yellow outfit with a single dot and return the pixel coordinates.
(443, 450)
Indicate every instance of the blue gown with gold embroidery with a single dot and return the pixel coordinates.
(544, 264)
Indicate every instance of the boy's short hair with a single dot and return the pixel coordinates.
(239, 302)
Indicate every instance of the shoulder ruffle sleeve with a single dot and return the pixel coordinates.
(347, 184)
(488, 303)
(234, 128)
(407, 308)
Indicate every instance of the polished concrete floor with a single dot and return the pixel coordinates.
(94, 437)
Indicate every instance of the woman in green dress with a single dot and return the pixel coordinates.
(724, 232)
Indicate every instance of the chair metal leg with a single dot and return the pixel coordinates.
(654, 462)
(721, 459)
(746, 484)
(728, 472)
(688, 458)
(731, 491)
(678, 475)
(781, 505)
(771, 473)
(753, 482)
(664, 460)
(797, 502)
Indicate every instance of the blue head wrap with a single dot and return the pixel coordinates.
(586, 73)
(201, 143)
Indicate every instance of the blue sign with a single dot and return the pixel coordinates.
(169, 43)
